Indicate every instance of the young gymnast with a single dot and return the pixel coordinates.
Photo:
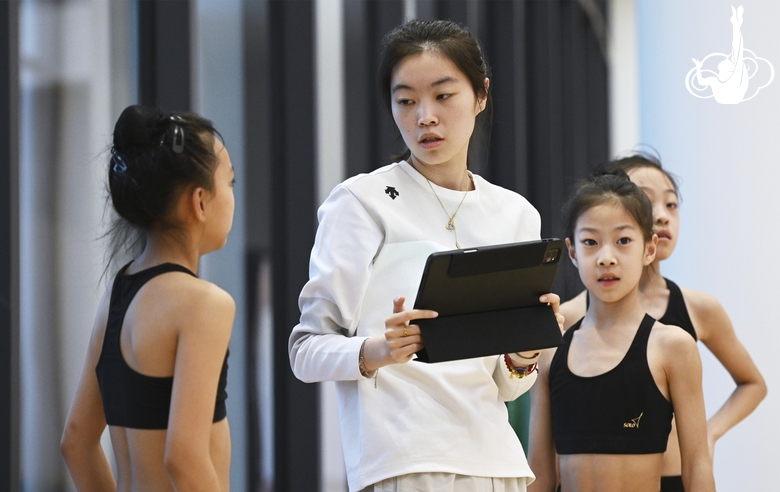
(156, 366)
(605, 398)
(699, 313)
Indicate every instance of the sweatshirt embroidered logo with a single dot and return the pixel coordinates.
(391, 192)
(634, 424)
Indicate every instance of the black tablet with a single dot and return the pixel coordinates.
(488, 300)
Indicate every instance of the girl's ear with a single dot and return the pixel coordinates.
(572, 252)
(482, 97)
(650, 250)
(197, 201)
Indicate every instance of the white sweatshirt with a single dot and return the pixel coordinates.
(375, 233)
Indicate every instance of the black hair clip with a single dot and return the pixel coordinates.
(178, 135)
(119, 165)
(178, 140)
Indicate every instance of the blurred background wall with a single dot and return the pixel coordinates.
(725, 156)
(289, 84)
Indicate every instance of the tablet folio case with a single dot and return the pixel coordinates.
(488, 301)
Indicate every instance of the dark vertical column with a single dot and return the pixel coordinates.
(258, 209)
(384, 15)
(546, 107)
(547, 114)
(575, 86)
(164, 54)
(293, 225)
(359, 88)
(427, 9)
(372, 137)
(454, 10)
(598, 94)
(9, 254)
(504, 44)
(584, 88)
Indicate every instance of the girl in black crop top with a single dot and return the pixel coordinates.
(156, 368)
(604, 399)
(698, 313)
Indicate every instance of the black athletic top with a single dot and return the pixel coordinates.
(676, 312)
(619, 412)
(131, 399)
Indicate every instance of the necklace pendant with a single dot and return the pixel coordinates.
(450, 226)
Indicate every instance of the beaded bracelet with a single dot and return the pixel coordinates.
(514, 372)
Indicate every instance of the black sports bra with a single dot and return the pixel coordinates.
(676, 312)
(619, 412)
(131, 399)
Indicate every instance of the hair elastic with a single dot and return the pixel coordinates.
(119, 165)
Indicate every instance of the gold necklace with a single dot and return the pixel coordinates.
(451, 222)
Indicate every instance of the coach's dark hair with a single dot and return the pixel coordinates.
(451, 40)
(609, 186)
(154, 157)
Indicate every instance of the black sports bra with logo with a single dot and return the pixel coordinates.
(619, 412)
(131, 399)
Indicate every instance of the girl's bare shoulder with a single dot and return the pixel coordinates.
(189, 300)
(672, 340)
(708, 315)
(701, 303)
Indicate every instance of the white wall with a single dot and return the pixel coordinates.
(622, 51)
(726, 158)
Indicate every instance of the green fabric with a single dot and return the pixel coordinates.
(519, 416)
